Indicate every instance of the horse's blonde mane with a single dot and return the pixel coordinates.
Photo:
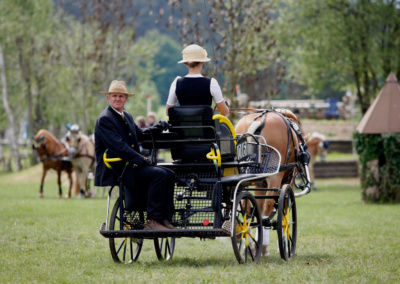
(46, 132)
(313, 136)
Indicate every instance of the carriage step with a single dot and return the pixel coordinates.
(178, 233)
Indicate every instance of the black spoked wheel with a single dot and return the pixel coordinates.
(125, 250)
(164, 248)
(287, 223)
(247, 240)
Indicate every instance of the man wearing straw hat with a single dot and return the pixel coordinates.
(194, 89)
(116, 131)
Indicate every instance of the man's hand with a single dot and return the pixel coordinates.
(147, 162)
(163, 125)
(157, 128)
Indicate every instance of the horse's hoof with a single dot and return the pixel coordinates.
(59, 196)
(265, 251)
(40, 195)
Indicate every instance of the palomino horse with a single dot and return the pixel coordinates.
(278, 134)
(82, 154)
(53, 155)
(317, 145)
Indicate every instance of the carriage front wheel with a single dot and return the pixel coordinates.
(287, 223)
(125, 250)
(164, 248)
(247, 237)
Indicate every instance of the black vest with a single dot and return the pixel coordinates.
(193, 91)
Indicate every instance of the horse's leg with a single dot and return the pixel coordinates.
(59, 183)
(80, 183)
(70, 183)
(267, 206)
(86, 180)
(42, 181)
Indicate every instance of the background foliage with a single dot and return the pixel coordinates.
(59, 54)
(384, 148)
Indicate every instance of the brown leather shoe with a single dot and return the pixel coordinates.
(154, 225)
(168, 224)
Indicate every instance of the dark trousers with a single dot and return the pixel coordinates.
(159, 184)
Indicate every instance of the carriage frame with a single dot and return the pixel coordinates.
(213, 194)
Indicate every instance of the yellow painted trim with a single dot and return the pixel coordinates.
(223, 119)
(212, 156)
(107, 160)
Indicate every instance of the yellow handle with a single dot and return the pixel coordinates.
(107, 160)
(211, 156)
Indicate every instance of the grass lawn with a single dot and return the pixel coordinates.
(51, 240)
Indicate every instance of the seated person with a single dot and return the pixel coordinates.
(116, 131)
(194, 89)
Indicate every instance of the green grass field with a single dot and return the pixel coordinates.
(51, 240)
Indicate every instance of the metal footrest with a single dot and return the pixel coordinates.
(178, 233)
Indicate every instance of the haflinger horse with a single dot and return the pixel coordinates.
(317, 145)
(82, 154)
(54, 155)
(274, 127)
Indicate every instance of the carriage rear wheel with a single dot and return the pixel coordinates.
(247, 238)
(164, 248)
(125, 250)
(287, 223)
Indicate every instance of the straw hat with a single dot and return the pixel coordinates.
(194, 53)
(118, 87)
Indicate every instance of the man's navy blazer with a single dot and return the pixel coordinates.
(121, 137)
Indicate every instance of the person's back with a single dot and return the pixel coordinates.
(194, 89)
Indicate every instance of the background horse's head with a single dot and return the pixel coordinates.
(47, 145)
(317, 145)
(74, 139)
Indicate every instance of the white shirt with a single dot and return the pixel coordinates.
(215, 90)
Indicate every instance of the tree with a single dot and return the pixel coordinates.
(9, 111)
(344, 43)
(238, 33)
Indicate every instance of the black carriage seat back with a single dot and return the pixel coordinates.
(192, 116)
(210, 129)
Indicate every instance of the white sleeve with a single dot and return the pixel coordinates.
(172, 99)
(216, 91)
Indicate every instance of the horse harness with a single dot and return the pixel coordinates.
(290, 124)
(79, 155)
(53, 156)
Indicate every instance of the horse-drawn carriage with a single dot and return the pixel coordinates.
(221, 178)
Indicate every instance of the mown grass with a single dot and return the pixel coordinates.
(51, 240)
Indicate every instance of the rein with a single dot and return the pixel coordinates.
(87, 155)
(53, 155)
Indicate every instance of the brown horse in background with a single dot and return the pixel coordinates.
(54, 155)
(83, 157)
(275, 131)
(317, 145)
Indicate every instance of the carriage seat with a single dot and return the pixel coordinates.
(197, 125)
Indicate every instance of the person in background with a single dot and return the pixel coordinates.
(116, 132)
(151, 118)
(194, 89)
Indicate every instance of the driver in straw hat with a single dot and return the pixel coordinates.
(146, 187)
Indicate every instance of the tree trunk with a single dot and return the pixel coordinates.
(10, 114)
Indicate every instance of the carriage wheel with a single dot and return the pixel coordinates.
(287, 223)
(124, 250)
(164, 248)
(247, 241)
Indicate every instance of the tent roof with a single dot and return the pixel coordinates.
(383, 115)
